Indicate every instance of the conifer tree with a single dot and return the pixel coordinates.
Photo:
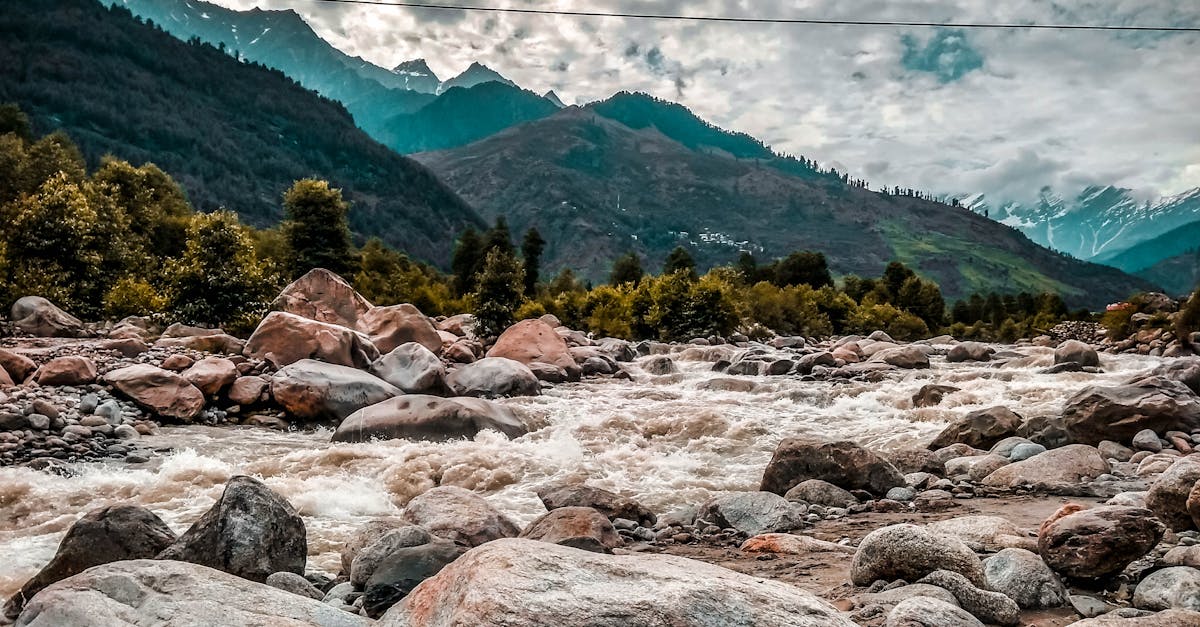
(498, 294)
(626, 269)
(316, 228)
(531, 252)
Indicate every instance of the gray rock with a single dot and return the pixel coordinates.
(88, 403)
(970, 351)
(752, 513)
(1147, 440)
(902, 494)
(369, 558)
(413, 368)
(494, 377)
(1074, 351)
(1176, 587)
(923, 611)
(110, 410)
(1088, 606)
(1168, 495)
(1024, 578)
(894, 596)
(421, 417)
(821, 493)
(660, 365)
(580, 527)
(844, 464)
(987, 606)
(979, 429)
(37, 316)
(910, 552)
(1022, 452)
(402, 570)
(315, 390)
(296, 584)
(460, 515)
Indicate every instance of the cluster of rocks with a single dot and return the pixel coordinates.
(1152, 330)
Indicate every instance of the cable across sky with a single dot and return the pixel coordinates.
(763, 20)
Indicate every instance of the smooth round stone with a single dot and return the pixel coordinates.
(902, 494)
(1022, 452)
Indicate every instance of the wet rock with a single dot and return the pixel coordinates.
(806, 363)
(989, 607)
(1049, 431)
(910, 552)
(821, 493)
(108, 534)
(367, 560)
(534, 341)
(1177, 587)
(34, 315)
(315, 390)
(211, 375)
(979, 429)
(1022, 452)
(459, 515)
(578, 527)
(907, 357)
(1168, 495)
(844, 464)
(395, 325)
(970, 351)
(295, 584)
(985, 533)
(924, 611)
(659, 365)
(789, 544)
(158, 592)
(1185, 371)
(1098, 542)
(366, 535)
(403, 570)
(580, 587)
(1113, 450)
(159, 391)
(283, 339)
(249, 390)
(420, 417)
(494, 377)
(608, 503)
(250, 532)
(752, 513)
(18, 367)
(69, 370)
(931, 395)
(1119, 412)
(412, 368)
(1066, 465)
(323, 296)
(1025, 578)
(1074, 351)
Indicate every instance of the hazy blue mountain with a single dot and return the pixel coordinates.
(476, 74)
(462, 115)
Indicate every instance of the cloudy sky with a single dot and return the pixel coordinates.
(1005, 112)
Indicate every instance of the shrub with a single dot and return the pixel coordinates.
(133, 296)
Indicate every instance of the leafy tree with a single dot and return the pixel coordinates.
(680, 260)
(626, 269)
(531, 252)
(894, 276)
(499, 293)
(316, 229)
(803, 268)
(607, 312)
(218, 280)
(157, 208)
(467, 260)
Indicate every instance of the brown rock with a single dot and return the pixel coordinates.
(249, 390)
(323, 296)
(177, 362)
(69, 370)
(1098, 542)
(1056, 467)
(389, 327)
(530, 341)
(579, 527)
(212, 343)
(979, 429)
(315, 390)
(460, 515)
(844, 464)
(5, 379)
(1119, 412)
(37, 316)
(1168, 495)
(608, 503)
(18, 366)
(159, 391)
(129, 347)
(931, 395)
(211, 375)
(283, 339)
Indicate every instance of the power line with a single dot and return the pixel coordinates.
(766, 20)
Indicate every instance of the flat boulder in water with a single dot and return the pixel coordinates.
(413, 368)
(907, 357)
(164, 592)
(250, 531)
(1074, 351)
(844, 464)
(970, 351)
(609, 503)
(979, 429)
(421, 417)
(523, 583)
(494, 377)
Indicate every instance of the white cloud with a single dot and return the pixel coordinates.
(1044, 108)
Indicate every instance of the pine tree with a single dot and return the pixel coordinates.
(803, 268)
(626, 269)
(316, 228)
(680, 260)
(466, 261)
(531, 252)
(498, 294)
(499, 238)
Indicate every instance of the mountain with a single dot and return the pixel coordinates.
(1148, 253)
(462, 115)
(1096, 224)
(233, 134)
(554, 99)
(597, 187)
(417, 76)
(1178, 274)
(476, 74)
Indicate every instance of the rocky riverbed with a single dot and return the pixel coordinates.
(799, 481)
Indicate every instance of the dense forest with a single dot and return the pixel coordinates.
(233, 134)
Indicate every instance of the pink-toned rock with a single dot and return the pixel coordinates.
(789, 544)
(18, 366)
(212, 343)
(283, 338)
(69, 370)
(316, 390)
(162, 392)
(323, 296)
(459, 353)
(389, 327)
(5, 380)
(459, 325)
(211, 375)
(1097, 542)
(1168, 495)
(530, 341)
(579, 527)
(177, 362)
(249, 390)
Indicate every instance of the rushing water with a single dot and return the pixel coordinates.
(659, 439)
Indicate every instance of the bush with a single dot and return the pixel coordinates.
(1188, 319)
(499, 293)
(133, 297)
(899, 324)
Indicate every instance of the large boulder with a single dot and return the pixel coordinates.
(534, 341)
(908, 357)
(494, 377)
(250, 532)
(249, 390)
(412, 368)
(460, 515)
(818, 492)
(910, 552)
(159, 391)
(979, 429)
(323, 296)
(1185, 370)
(1025, 578)
(522, 583)
(752, 513)
(927, 611)
(1119, 412)
(68, 370)
(610, 504)
(403, 570)
(283, 338)
(108, 534)
(18, 366)
(1177, 587)
(579, 527)
(161, 592)
(1074, 351)
(970, 351)
(844, 464)
(1168, 495)
(315, 390)
(931, 395)
(985, 533)
(37, 316)
(1098, 542)
(392, 326)
(211, 375)
(1054, 468)
(420, 417)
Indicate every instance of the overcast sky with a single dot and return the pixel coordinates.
(1003, 112)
